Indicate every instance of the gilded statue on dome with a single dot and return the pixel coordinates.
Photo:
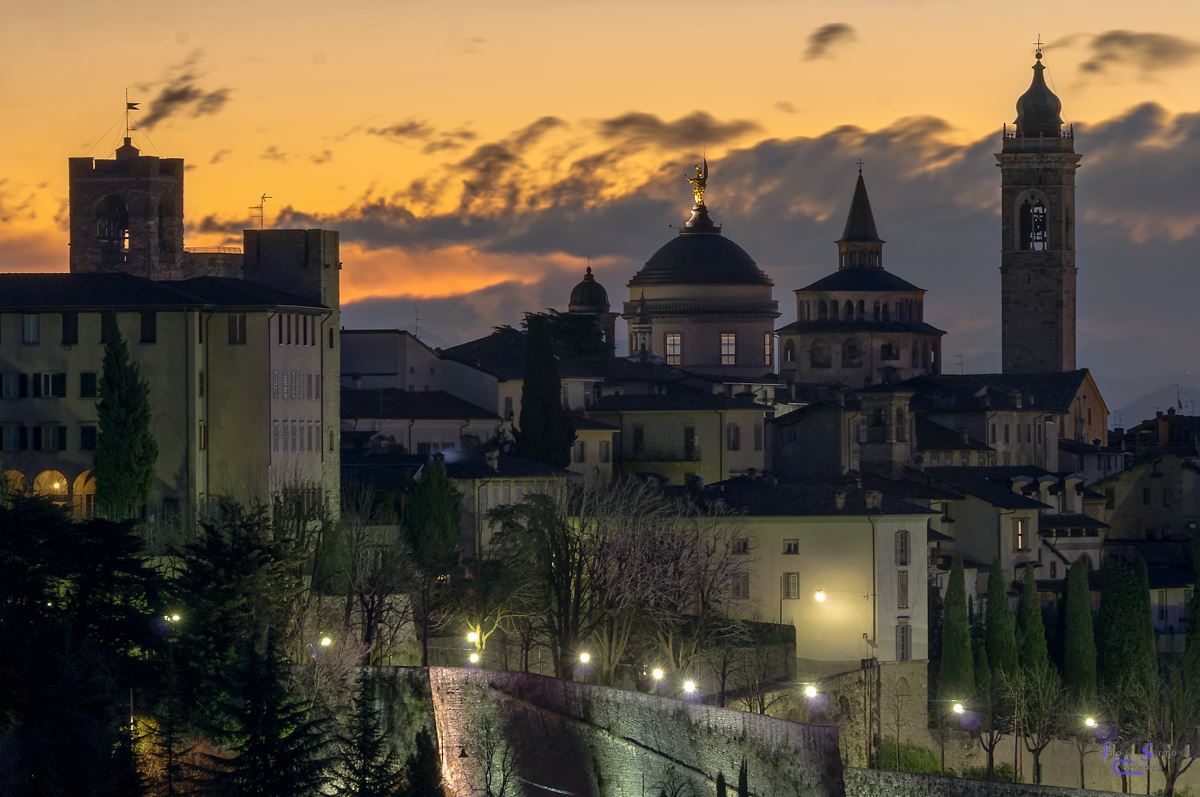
(699, 182)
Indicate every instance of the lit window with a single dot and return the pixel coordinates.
(674, 348)
(902, 548)
(728, 348)
(901, 589)
(1019, 532)
(791, 585)
(768, 348)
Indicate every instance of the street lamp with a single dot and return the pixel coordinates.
(585, 657)
(819, 596)
(689, 687)
(810, 691)
(955, 708)
(958, 708)
(473, 637)
(326, 641)
(1090, 722)
(473, 658)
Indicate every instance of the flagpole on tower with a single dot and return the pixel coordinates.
(129, 106)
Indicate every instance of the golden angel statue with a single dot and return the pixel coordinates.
(699, 182)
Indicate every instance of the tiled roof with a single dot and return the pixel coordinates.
(862, 326)
(989, 484)
(501, 354)
(935, 437)
(1069, 521)
(125, 291)
(762, 498)
(862, 279)
(393, 403)
(1052, 392)
(674, 401)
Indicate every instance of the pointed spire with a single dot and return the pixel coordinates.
(1039, 110)
(860, 223)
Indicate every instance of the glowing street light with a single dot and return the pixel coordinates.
(585, 657)
(810, 691)
(1090, 722)
(689, 687)
(958, 708)
(473, 658)
(174, 618)
(326, 641)
(657, 674)
(472, 636)
(819, 596)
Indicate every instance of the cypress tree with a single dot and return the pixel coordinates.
(956, 681)
(366, 764)
(722, 789)
(1125, 647)
(1142, 630)
(432, 530)
(546, 432)
(1000, 630)
(424, 769)
(1031, 631)
(1079, 657)
(743, 784)
(125, 447)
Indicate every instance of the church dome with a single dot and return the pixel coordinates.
(700, 254)
(588, 296)
(1039, 109)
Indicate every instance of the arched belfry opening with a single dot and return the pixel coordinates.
(1034, 235)
(112, 229)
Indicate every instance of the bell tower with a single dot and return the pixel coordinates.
(127, 214)
(1037, 272)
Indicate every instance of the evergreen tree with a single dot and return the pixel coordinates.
(743, 786)
(278, 746)
(431, 528)
(722, 789)
(366, 764)
(1031, 630)
(1125, 644)
(127, 779)
(125, 447)
(1079, 656)
(546, 431)
(1000, 629)
(956, 681)
(424, 770)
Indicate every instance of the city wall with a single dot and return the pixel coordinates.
(881, 783)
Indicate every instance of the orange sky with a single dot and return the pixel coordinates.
(295, 89)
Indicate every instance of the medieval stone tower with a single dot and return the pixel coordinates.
(127, 214)
(1037, 271)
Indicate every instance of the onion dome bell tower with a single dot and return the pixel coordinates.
(589, 298)
(1037, 262)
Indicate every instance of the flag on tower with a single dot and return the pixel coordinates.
(132, 106)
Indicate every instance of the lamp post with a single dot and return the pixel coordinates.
(956, 708)
(689, 687)
(585, 658)
(657, 675)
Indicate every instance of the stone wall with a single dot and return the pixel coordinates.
(539, 733)
(877, 783)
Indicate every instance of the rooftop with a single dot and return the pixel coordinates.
(90, 291)
(396, 404)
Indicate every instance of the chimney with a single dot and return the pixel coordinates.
(839, 500)
(966, 437)
(874, 500)
(493, 459)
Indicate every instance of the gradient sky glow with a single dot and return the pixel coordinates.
(474, 154)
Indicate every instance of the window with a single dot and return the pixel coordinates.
(791, 547)
(1006, 433)
(580, 451)
(734, 434)
(902, 539)
(237, 329)
(309, 382)
(901, 589)
(202, 436)
(274, 435)
(149, 327)
(740, 546)
(288, 323)
(728, 348)
(821, 355)
(108, 326)
(935, 459)
(639, 438)
(331, 341)
(1053, 568)
(689, 443)
(852, 354)
(200, 329)
(31, 328)
(790, 586)
(741, 586)
(309, 437)
(200, 383)
(87, 385)
(304, 326)
(993, 433)
(964, 459)
(87, 437)
(54, 437)
(768, 348)
(789, 351)
(11, 383)
(70, 328)
(1020, 543)
(674, 348)
(275, 383)
(10, 437)
(605, 451)
(903, 640)
(279, 327)
(758, 437)
(49, 385)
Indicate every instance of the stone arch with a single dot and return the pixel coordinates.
(852, 353)
(789, 351)
(821, 354)
(862, 307)
(886, 312)
(1033, 217)
(83, 496)
(112, 219)
(833, 310)
(52, 485)
(14, 481)
(877, 310)
(926, 363)
(916, 355)
(848, 312)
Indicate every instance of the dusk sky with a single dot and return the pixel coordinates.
(474, 155)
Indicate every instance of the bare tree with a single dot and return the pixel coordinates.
(378, 573)
(1038, 694)
(1168, 713)
(496, 759)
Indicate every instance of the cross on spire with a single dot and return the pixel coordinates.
(860, 165)
(1038, 45)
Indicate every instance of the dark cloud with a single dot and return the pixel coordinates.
(325, 156)
(691, 131)
(219, 156)
(272, 153)
(785, 106)
(1147, 52)
(411, 129)
(182, 95)
(822, 40)
(450, 140)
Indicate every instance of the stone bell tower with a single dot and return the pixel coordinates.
(1037, 272)
(127, 214)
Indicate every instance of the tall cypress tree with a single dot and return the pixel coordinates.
(125, 447)
(366, 764)
(1079, 656)
(956, 681)
(1125, 645)
(1031, 630)
(1000, 628)
(424, 769)
(546, 431)
(432, 530)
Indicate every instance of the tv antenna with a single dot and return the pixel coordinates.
(961, 363)
(261, 210)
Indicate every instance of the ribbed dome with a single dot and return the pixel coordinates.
(588, 296)
(700, 258)
(1039, 109)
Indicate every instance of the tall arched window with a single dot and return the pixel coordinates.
(833, 311)
(1033, 225)
(916, 355)
(821, 355)
(789, 351)
(876, 311)
(862, 306)
(848, 312)
(886, 313)
(852, 353)
(822, 310)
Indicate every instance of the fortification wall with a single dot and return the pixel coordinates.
(881, 783)
(600, 742)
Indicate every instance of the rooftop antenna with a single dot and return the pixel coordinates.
(962, 369)
(261, 207)
(417, 321)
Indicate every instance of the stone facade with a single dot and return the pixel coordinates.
(881, 783)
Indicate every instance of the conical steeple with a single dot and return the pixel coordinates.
(1039, 110)
(860, 245)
